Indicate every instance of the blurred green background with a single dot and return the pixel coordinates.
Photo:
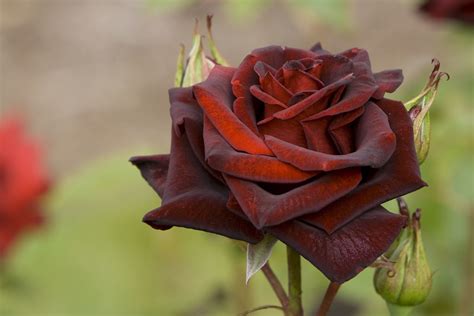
(91, 80)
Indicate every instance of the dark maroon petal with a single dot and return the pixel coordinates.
(296, 80)
(187, 118)
(318, 49)
(215, 98)
(361, 61)
(399, 176)
(388, 81)
(357, 93)
(343, 254)
(317, 136)
(274, 88)
(375, 143)
(154, 170)
(290, 131)
(273, 56)
(335, 67)
(266, 209)
(245, 112)
(194, 199)
(261, 69)
(220, 156)
(299, 107)
(342, 133)
(266, 98)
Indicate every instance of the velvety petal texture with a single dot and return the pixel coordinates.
(298, 143)
(346, 252)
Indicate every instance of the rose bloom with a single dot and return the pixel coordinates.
(461, 10)
(22, 183)
(300, 144)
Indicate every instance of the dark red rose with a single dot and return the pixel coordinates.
(461, 10)
(300, 144)
(23, 182)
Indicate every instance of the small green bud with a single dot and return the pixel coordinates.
(407, 282)
(198, 65)
(418, 108)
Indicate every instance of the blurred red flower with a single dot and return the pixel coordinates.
(23, 181)
(461, 10)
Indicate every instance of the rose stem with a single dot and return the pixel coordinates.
(328, 299)
(295, 307)
(260, 308)
(276, 285)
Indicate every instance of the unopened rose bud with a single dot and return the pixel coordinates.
(418, 108)
(198, 65)
(408, 281)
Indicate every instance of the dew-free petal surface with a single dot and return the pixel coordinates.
(343, 254)
(154, 170)
(399, 176)
(266, 209)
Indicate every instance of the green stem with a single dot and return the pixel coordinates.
(396, 310)
(295, 307)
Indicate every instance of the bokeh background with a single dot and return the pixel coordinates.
(90, 78)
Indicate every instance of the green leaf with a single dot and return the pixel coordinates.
(258, 255)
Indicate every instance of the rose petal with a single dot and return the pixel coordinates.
(342, 131)
(262, 69)
(266, 209)
(220, 156)
(194, 199)
(388, 81)
(317, 136)
(296, 80)
(215, 98)
(274, 88)
(358, 92)
(343, 254)
(318, 49)
(154, 170)
(290, 131)
(334, 67)
(187, 118)
(375, 144)
(299, 107)
(399, 176)
(246, 113)
(266, 98)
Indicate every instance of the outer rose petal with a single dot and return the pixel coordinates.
(194, 199)
(346, 252)
(375, 143)
(215, 97)
(266, 209)
(154, 170)
(187, 118)
(388, 81)
(318, 49)
(220, 156)
(399, 176)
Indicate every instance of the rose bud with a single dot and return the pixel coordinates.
(23, 182)
(198, 65)
(460, 10)
(299, 144)
(419, 107)
(408, 281)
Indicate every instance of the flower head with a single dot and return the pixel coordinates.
(23, 182)
(299, 144)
